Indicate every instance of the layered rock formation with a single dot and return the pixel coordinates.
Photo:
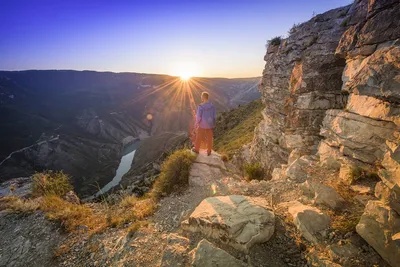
(301, 80)
(332, 88)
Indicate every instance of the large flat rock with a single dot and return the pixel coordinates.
(207, 255)
(322, 194)
(311, 222)
(379, 226)
(236, 220)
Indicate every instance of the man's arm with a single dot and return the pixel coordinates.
(198, 115)
(214, 117)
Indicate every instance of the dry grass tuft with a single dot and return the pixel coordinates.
(134, 227)
(145, 208)
(224, 158)
(129, 209)
(18, 205)
(128, 202)
(345, 224)
(51, 183)
(71, 216)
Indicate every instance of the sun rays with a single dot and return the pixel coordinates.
(172, 105)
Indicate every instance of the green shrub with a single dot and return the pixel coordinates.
(254, 171)
(294, 28)
(358, 173)
(174, 173)
(275, 41)
(51, 183)
(345, 22)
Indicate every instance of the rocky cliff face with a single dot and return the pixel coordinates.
(301, 80)
(332, 88)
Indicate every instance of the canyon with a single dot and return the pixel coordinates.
(79, 121)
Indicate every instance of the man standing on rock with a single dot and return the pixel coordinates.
(205, 122)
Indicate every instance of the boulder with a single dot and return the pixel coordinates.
(21, 187)
(368, 145)
(342, 252)
(387, 196)
(311, 222)
(329, 156)
(175, 253)
(298, 170)
(391, 162)
(278, 174)
(72, 197)
(297, 153)
(322, 194)
(207, 255)
(236, 220)
(378, 224)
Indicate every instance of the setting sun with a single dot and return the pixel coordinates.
(185, 70)
(185, 77)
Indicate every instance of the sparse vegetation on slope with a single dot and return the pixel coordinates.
(49, 190)
(254, 171)
(71, 215)
(174, 173)
(235, 127)
(275, 41)
(18, 205)
(51, 183)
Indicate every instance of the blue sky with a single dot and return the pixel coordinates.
(218, 38)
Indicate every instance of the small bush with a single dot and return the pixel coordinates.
(51, 183)
(345, 22)
(254, 171)
(275, 41)
(342, 14)
(294, 28)
(224, 158)
(174, 173)
(358, 173)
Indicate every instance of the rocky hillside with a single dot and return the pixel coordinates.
(79, 121)
(332, 89)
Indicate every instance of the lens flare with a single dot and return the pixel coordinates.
(149, 117)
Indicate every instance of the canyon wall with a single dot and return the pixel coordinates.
(332, 89)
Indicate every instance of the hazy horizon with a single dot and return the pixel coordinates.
(216, 39)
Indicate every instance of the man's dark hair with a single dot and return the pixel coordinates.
(205, 95)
